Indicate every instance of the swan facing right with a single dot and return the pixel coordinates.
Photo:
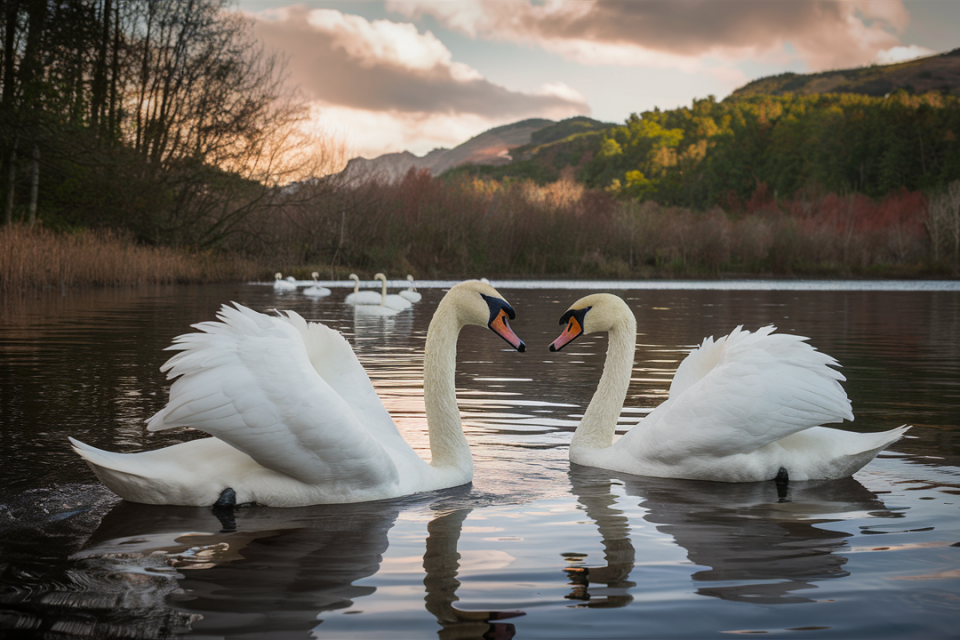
(294, 417)
(744, 408)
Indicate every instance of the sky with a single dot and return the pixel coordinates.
(393, 75)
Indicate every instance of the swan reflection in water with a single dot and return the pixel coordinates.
(273, 572)
(769, 541)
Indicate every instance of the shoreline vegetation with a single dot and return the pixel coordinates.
(469, 228)
(36, 259)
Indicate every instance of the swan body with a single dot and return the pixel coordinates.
(411, 294)
(279, 284)
(294, 417)
(392, 300)
(740, 409)
(361, 297)
(315, 290)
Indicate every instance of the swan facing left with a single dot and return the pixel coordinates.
(744, 408)
(294, 417)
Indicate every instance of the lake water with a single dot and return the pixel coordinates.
(533, 548)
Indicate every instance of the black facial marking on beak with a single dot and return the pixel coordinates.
(500, 313)
(574, 319)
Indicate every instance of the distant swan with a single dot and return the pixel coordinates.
(411, 294)
(279, 284)
(361, 297)
(316, 291)
(392, 300)
(294, 416)
(742, 408)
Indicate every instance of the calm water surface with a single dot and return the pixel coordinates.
(534, 548)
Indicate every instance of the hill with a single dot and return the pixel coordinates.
(491, 147)
(569, 143)
(921, 75)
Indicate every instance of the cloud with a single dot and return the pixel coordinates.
(680, 33)
(382, 66)
(369, 133)
(899, 54)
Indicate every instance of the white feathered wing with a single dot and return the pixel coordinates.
(743, 406)
(291, 402)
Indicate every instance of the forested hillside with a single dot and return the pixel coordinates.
(718, 153)
(715, 153)
(940, 73)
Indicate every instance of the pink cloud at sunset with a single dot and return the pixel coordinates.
(824, 33)
(388, 81)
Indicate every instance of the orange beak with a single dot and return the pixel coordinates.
(572, 331)
(501, 326)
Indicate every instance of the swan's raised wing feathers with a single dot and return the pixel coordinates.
(250, 381)
(334, 361)
(745, 391)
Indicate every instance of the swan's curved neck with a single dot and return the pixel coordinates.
(356, 285)
(448, 445)
(383, 291)
(596, 429)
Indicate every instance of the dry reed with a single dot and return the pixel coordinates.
(36, 258)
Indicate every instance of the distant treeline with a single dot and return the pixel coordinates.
(718, 153)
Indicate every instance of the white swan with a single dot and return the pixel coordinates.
(294, 416)
(392, 300)
(279, 284)
(742, 408)
(411, 294)
(361, 297)
(315, 290)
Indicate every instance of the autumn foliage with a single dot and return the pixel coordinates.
(471, 227)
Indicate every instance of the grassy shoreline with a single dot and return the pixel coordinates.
(36, 259)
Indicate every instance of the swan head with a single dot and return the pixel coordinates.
(409, 277)
(480, 304)
(354, 277)
(278, 276)
(591, 314)
(315, 275)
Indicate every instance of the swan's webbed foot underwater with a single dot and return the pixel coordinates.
(783, 481)
(228, 499)
(224, 506)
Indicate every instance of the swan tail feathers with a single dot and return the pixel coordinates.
(872, 444)
(187, 474)
(120, 472)
(822, 453)
(883, 439)
(101, 458)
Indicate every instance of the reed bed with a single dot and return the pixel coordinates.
(432, 227)
(33, 258)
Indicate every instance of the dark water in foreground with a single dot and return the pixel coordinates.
(533, 548)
